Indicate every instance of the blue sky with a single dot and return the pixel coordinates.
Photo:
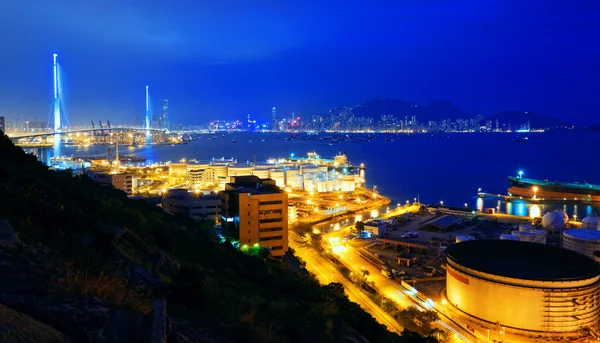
(224, 59)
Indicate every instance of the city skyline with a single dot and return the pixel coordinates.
(349, 54)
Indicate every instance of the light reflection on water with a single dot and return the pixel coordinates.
(528, 209)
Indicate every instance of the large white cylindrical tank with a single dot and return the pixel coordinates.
(508, 237)
(262, 173)
(308, 168)
(309, 182)
(322, 186)
(347, 183)
(279, 176)
(524, 236)
(555, 220)
(590, 222)
(526, 227)
(239, 170)
(295, 181)
(464, 238)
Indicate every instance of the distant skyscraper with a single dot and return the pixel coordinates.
(165, 114)
(2, 125)
(274, 118)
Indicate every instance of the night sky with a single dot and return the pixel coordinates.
(223, 59)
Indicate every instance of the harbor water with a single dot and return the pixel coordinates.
(448, 168)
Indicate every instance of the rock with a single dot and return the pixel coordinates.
(18, 327)
(8, 238)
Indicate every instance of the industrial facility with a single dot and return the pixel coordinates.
(583, 241)
(523, 286)
(311, 174)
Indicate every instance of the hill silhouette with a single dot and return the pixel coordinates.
(536, 121)
(435, 110)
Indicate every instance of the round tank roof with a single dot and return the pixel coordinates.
(523, 260)
(583, 234)
(590, 222)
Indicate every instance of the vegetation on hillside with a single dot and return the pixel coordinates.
(107, 243)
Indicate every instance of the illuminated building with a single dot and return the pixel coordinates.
(305, 174)
(523, 286)
(274, 119)
(258, 210)
(122, 181)
(164, 119)
(196, 205)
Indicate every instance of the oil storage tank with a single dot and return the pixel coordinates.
(524, 236)
(295, 181)
(584, 241)
(464, 238)
(555, 220)
(279, 176)
(523, 285)
(590, 222)
(508, 237)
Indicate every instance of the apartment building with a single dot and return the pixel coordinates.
(258, 210)
(122, 181)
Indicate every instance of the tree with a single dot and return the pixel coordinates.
(360, 227)
(302, 228)
(418, 321)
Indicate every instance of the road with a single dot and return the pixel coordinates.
(394, 290)
(326, 272)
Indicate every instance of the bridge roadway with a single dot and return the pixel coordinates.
(116, 128)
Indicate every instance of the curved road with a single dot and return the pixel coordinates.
(326, 273)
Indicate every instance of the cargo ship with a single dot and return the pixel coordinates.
(552, 190)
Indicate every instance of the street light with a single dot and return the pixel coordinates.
(535, 189)
(466, 205)
(442, 202)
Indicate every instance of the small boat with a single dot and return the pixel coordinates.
(233, 141)
(521, 139)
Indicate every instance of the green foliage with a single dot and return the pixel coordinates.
(418, 321)
(360, 227)
(239, 296)
(302, 228)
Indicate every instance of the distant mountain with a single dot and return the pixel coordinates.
(435, 110)
(536, 121)
(593, 128)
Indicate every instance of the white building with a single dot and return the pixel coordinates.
(196, 205)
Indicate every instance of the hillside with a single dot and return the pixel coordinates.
(536, 121)
(435, 110)
(90, 263)
(593, 128)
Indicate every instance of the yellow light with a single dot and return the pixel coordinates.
(308, 201)
(288, 190)
(374, 213)
(534, 211)
(535, 189)
(444, 301)
(341, 197)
